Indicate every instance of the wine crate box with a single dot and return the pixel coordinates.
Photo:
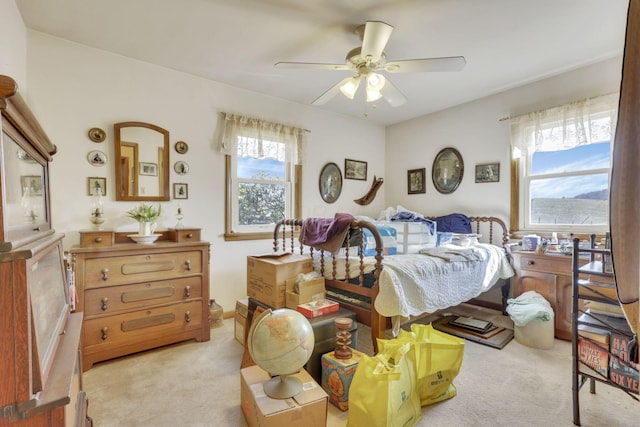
(311, 290)
(307, 408)
(266, 276)
(240, 319)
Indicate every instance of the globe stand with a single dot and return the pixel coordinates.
(282, 387)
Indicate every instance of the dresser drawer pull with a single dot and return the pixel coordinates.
(133, 296)
(105, 275)
(187, 291)
(530, 262)
(188, 264)
(187, 316)
(190, 236)
(104, 301)
(104, 333)
(98, 240)
(147, 267)
(147, 322)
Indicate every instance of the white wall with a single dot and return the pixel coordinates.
(13, 44)
(476, 131)
(74, 88)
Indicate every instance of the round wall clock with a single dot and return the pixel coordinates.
(181, 147)
(330, 182)
(447, 170)
(181, 168)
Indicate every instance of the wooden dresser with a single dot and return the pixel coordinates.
(550, 275)
(40, 363)
(137, 296)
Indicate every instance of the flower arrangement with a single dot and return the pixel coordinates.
(145, 213)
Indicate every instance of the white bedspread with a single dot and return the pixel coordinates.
(413, 284)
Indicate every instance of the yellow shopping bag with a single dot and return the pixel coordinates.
(438, 358)
(383, 390)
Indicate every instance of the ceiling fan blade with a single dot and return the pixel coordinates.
(452, 63)
(333, 91)
(392, 95)
(375, 38)
(312, 65)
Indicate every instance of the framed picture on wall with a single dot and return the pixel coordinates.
(355, 169)
(415, 181)
(31, 185)
(489, 172)
(180, 190)
(95, 183)
(150, 169)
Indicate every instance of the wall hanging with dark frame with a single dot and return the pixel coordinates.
(415, 181)
(95, 183)
(355, 169)
(447, 171)
(180, 190)
(488, 172)
(330, 182)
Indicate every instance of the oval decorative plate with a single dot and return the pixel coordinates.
(97, 134)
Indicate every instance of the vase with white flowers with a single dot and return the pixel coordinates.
(146, 215)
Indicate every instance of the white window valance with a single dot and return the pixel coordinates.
(251, 137)
(581, 122)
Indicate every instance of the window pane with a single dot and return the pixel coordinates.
(582, 157)
(260, 204)
(570, 200)
(252, 168)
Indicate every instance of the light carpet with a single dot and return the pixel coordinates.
(198, 384)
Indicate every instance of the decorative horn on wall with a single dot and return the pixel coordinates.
(371, 194)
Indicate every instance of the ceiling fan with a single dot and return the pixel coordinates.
(370, 58)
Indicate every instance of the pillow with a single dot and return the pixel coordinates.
(454, 223)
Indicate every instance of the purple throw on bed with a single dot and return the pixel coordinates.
(326, 233)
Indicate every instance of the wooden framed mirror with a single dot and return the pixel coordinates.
(141, 160)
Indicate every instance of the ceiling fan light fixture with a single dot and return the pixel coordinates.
(350, 87)
(375, 83)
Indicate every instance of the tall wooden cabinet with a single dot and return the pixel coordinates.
(138, 296)
(40, 364)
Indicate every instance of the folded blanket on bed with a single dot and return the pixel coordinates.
(453, 254)
(326, 233)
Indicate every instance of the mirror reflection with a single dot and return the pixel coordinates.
(141, 161)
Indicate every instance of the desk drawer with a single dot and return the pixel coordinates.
(114, 299)
(110, 271)
(142, 326)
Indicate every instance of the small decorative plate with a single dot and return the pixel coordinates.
(97, 158)
(181, 147)
(97, 134)
(181, 168)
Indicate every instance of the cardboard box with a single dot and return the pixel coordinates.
(266, 276)
(240, 319)
(311, 290)
(318, 308)
(337, 375)
(308, 408)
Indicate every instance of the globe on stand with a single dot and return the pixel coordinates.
(281, 342)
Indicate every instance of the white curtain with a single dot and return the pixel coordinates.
(251, 137)
(581, 122)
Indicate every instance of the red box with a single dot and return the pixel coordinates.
(594, 355)
(318, 308)
(622, 371)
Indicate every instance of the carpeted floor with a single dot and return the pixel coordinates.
(198, 384)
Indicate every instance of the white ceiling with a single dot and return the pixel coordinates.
(506, 43)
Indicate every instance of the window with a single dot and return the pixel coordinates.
(562, 167)
(263, 175)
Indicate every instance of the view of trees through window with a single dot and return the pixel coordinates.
(570, 187)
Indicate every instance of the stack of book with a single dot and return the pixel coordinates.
(477, 327)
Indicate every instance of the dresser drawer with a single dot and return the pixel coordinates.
(114, 299)
(142, 326)
(96, 239)
(560, 264)
(119, 270)
(185, 235)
